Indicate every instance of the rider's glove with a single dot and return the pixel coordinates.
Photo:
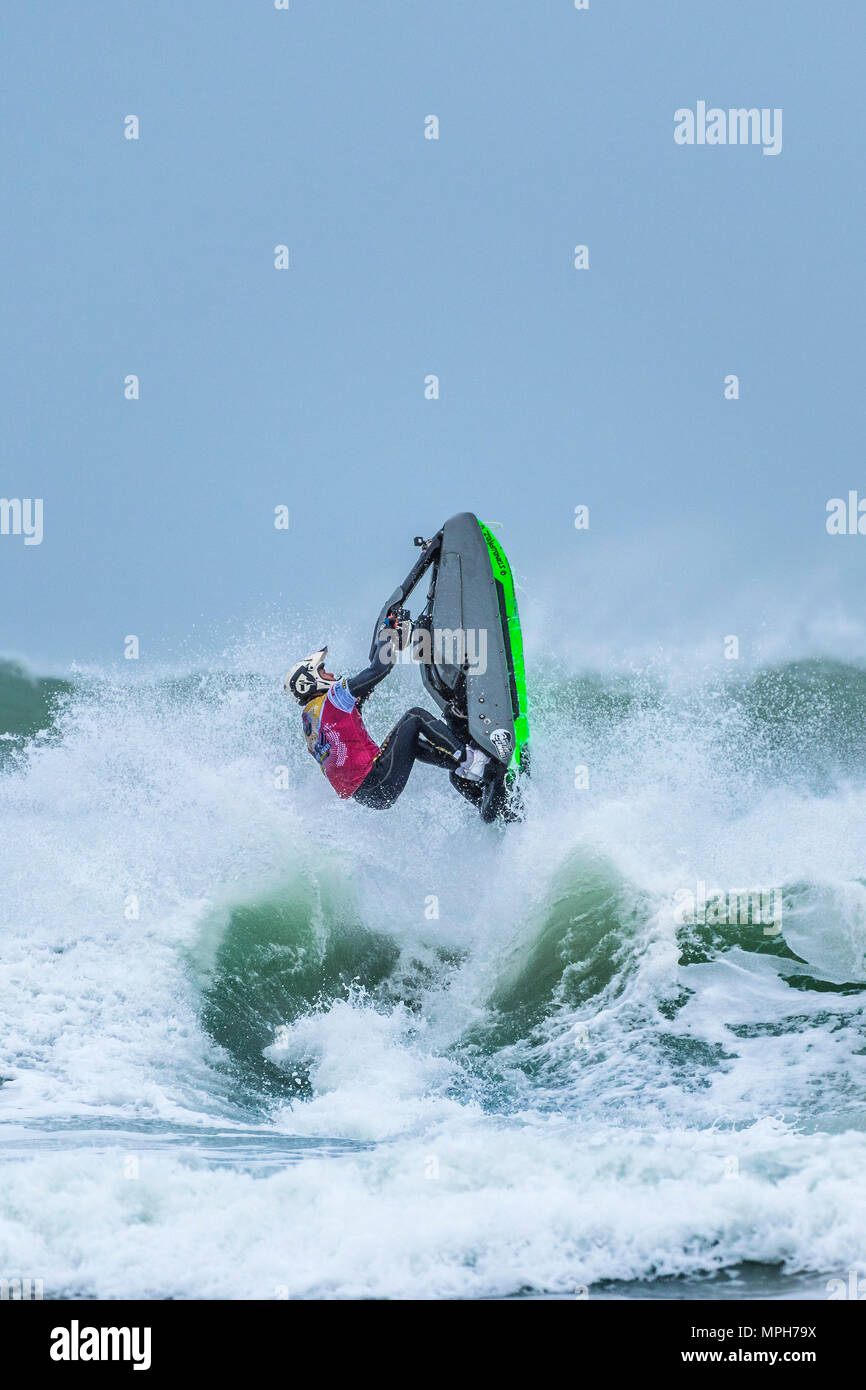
(399, 622)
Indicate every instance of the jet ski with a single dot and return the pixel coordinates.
(468, 644)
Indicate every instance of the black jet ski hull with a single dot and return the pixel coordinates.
(469, 644)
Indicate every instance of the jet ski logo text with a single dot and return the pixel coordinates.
(503, 743)
(736, 126)
(75, 1343)
(442, 646)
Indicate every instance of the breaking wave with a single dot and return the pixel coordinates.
(262, 1043)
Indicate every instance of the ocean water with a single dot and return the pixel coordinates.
(258, 1043)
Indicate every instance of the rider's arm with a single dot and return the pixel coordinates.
(383, 662)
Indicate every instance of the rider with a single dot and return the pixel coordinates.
(335, 734)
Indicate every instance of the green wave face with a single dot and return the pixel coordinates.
(28, 704)
(266, 962)
(575, 949)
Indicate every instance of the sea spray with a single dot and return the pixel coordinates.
(284, 1077)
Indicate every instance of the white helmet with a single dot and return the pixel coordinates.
(304, 681)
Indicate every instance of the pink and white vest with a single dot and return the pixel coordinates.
(337, 739)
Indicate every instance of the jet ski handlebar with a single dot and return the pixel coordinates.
(428, 554)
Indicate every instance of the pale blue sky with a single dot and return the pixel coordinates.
(410, 257)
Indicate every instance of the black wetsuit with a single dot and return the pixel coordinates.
(417, 737)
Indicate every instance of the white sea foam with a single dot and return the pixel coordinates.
(544, 1095)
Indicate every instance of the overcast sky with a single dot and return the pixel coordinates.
(410, 257)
